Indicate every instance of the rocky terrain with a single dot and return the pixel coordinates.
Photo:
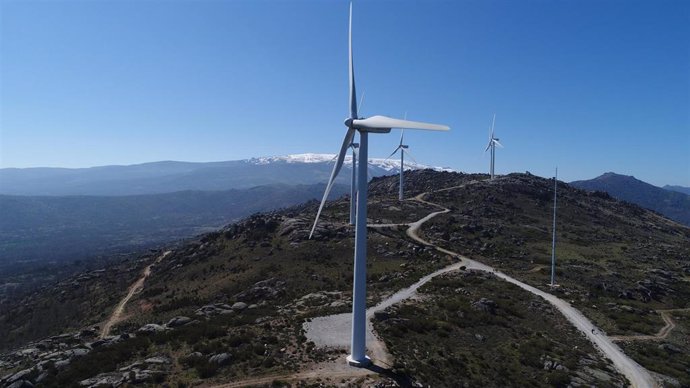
(230, 306)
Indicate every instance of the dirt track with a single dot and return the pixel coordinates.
(638, 376)
(660, 335)
(136, 287)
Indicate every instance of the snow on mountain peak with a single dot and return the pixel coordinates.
(385, 164)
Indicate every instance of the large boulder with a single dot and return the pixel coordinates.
(220, 359)
(151, 328)
(486, 305)
(21, 384)
(179, 321)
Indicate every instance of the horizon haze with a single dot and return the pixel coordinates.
(590, 86)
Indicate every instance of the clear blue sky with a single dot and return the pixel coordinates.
(590, 86)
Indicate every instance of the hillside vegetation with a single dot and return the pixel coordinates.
(230, 305)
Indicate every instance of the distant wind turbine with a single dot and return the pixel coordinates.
(374, 124)
(493, 142)
(553, 240)
(403, 148)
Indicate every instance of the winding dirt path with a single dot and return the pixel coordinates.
(660, 335)
(638, 376)
(536, 268)
(135, 288)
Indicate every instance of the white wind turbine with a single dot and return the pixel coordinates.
(374, 124)
(403, 149)
(493, 142)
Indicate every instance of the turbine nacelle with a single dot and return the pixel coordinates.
(363, 125)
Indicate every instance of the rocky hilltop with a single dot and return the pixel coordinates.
(229, 307)
(674, 204)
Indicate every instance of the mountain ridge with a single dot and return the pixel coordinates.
(672, 204)
(173, 176)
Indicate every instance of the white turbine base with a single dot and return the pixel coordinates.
(359, 363)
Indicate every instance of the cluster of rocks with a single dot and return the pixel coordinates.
(552, 364)
(265, 289)
(322, 298)
(645, 290)
(297, 230)
(150, 369)
(55, 352)
(589, 373)
(625, 308)
(541, 307)
(211, 310)
(60, 351)
(485, 305)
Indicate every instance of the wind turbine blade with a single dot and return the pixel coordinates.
(402, 132)
(389, 156)
(361, 101)
(336, 169)
(488, 146)
(353, 92)
(410, 155)
(383, 122)
(492, 126)
(498, 144)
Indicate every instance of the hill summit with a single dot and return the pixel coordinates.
(674, 205)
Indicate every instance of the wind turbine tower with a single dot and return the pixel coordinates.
(374, 124)
(353, 183)
(553, 240)
(493, 142)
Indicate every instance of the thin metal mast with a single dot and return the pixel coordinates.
(553, 241)
(402, 171)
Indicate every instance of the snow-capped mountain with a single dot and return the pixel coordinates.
(391, 165)
(170, 176)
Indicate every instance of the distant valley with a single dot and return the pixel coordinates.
(169, 176)
(58, 214)
(87, 216)
(55, 228)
